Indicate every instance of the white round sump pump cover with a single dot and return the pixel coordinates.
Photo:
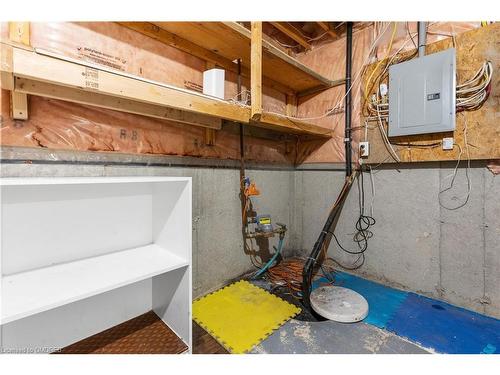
(339, 304)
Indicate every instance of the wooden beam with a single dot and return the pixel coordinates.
(93, 78)
(326, 27)
(82, 82)
(19, 105)
(292, 32)
(314, 90)
(19, 32)
(6, 64)
(291, 105)
(210, 137)
(256, 71)
(164, 36)
(75, 95)
(271, 54)
(275, 122)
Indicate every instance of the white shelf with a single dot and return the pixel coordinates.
(82, 254)
(32, 292)
(21, 181)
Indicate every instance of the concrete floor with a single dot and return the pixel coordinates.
(305, 335)
(299, 337)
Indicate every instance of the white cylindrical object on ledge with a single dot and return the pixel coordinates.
(213, 82)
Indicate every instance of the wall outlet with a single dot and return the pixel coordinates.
(383, 89)
(364, 149)
(448, 143)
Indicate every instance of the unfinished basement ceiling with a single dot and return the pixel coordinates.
(296, 37)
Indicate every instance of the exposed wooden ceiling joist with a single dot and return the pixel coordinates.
(174, 40)
(231, 41)
(326, 26)
(292, 33)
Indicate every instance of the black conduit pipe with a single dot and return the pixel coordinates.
(331, 222)
(324, 240)
(242, 142)
(242, 158)
(348, 104)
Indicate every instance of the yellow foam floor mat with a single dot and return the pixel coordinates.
(241, 315)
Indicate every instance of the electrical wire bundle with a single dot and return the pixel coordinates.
(470, 95)
(378, 105)
(356, 79)
(288, 273)
(453, 176)
(473, 93)
(362, 234)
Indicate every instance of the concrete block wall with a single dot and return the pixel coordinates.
(453, 255)
(218, 254)
(417, 244)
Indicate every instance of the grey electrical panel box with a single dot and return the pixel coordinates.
(422, 95)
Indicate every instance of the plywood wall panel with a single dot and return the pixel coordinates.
(473, 48)
(329, 60)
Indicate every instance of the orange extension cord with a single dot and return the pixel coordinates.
(289, 273)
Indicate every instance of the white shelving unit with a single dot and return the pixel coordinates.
(80, 255)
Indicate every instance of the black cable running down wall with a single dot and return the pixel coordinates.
(242, 156)
(348, 104)
(331, 222)
(324, 240)
(242, 142)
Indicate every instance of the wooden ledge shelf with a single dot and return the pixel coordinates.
(231, 40)
(43, 74)
(276, 122)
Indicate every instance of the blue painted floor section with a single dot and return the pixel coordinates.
(444, 327)
(426, 321)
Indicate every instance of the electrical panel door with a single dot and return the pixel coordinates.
(422, 95)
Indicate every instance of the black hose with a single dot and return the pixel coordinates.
(324, 240)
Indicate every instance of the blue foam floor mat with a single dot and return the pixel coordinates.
(444, 327)
(431, 323)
